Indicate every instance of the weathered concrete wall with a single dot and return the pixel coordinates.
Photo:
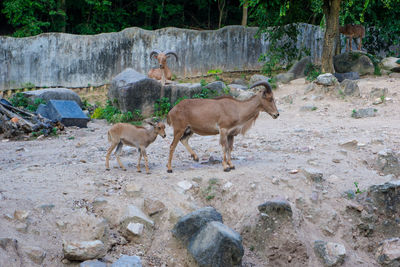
(58, 59)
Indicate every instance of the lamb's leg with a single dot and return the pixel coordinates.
(143, 150)
(118, 153)
(113, 145)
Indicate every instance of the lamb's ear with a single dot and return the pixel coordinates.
(151, 123)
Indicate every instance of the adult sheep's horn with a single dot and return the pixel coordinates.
(169, 52)
(154, 52)
(263, 83)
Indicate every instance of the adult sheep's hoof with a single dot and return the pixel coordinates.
(232, 167)
(227, 169)
(107, 169)
(169, 171)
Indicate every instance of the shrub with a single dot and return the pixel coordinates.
(114, 115)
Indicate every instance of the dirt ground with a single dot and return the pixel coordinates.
(68, 172)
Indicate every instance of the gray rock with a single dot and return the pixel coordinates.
(285, 77)
(153, 206)
(133, 190)
(9, 252)
(218, 87)
(235, 89)
(308, 108)
(331, 254)
(364, 113)
(84, 250)
(378, 92)
(54, 94)
(350, 88)
(313, 175)
(135, 228)
(347, 76)
(385, 197)
(388, 163)
(299, 67)
(311, 87)
(191, 223)
(217, 245)
(390, 63)
(36, 254)
(258, 77)
(92, 263)
(127, 261)
(388, 252)
(243, 95)
(276, 208)
(288, 99)
(353, 62)
(134, 214)
(240, 82)
(131, 90)
(326, 79)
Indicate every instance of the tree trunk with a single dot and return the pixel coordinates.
(331, 11)
(221, 6)
(244, 16)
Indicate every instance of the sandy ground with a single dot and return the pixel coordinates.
(68, 172)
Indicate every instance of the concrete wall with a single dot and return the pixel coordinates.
(58, 59)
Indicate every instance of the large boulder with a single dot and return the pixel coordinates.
(191, 223)
(299, 67)
(285, 77)
(390, 63)
(217, 245)
(84, 250)
(326, 79)
(210, 242)
(388, 163)
(131, 90)
(54, 94)
(350, 88)
(347, 76)
(353, 62)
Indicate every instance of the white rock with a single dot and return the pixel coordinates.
(135, 228)
(185, 185)
(227, 185)
(84, 250)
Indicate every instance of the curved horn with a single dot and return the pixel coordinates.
(263, 83)
(169, 52)
(154, 52)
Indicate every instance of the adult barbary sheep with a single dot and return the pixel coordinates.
(136, 136)
(163, 73)
(223, 115)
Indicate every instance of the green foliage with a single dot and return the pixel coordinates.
(216, 71)
(312, 72)
(273, 82)
(114, 115)
(161, 107)
(375, 61)
(206, 93)
(203, 82)
(283, 50)
(357, 191)
(20, 100)
(179, 100)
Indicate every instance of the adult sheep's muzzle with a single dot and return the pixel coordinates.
(275, 116)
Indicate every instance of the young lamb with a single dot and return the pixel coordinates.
(136, 136)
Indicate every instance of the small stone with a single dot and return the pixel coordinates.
(313, 175)
(8, 217)
(99, 201)
(388, 252)
(377, 101)
(134, 214)
(21, 215)
(47, 207)
(294, 171)
(349, 144)
(185, 185)
(127, 261)
(226, 186)
(132, 190)
(92, 263)
(135, 228)
(36, 254)
(336, 160)
(153, 206)
(331, 254)
(21, 227)
(84, 250)
(275, 181)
